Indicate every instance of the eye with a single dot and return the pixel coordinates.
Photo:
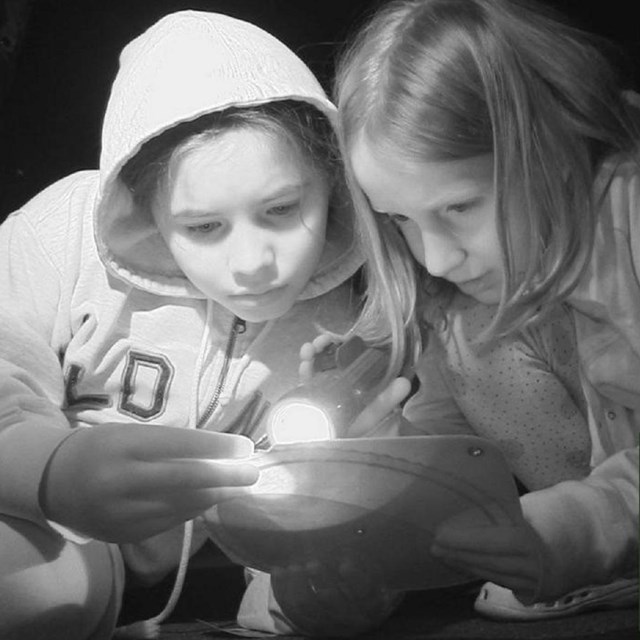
(207, 227)
(460, 207)
(396, 218)
(282, 210)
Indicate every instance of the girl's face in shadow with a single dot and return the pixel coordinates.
(446, 212)
(245, 219)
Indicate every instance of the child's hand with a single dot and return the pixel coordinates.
(126, 482)
(382, 415)
(312, 352)
(508, 555)
(337, 600)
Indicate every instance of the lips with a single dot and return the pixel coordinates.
(469, 283)
(475, 286)
(254, 294)
(251, 295)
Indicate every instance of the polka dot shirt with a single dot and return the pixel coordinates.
(522, 392)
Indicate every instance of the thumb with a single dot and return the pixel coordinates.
(383, 404)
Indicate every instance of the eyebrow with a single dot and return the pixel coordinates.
(285, 190)
(191, 214)
(464, 194)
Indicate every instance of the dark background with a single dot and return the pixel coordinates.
(58, 58)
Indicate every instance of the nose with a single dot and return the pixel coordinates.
(442, 253)
(251, 258)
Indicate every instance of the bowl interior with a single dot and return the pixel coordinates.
(376, 500)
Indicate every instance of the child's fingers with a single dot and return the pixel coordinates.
(307, 357)
(504, 555)
(307, 351)
(190, 474)
(384, 403)
(322, 341)
(488, 541)
(313, 353)
(512, 572)
(138, 442)
(310, 349)
(493, 540)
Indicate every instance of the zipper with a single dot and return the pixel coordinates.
(239, 326)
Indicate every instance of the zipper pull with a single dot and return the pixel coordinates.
(239, 326)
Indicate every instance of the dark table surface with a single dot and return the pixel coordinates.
(214, 587)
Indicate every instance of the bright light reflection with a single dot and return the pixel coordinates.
(298, 421)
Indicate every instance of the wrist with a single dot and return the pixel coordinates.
(55, 492)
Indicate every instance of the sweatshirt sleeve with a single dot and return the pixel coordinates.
(38, 244)
(589, 527)
(42, 246)
(32, 425)
(29, 278)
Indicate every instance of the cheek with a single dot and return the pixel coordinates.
(199, 264)
(316, 217)
(303, 249)
(482, 238)
(413, 240)
(179, 245)
(307, 241)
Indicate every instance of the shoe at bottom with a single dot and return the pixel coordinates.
(499, 603)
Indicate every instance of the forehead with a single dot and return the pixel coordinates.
(246, 160)
(385, 176)
(242, 146)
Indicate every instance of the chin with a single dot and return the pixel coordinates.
(488, 298)
(254, 317)
(262, 313)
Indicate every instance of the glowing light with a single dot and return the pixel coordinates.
(299, 421)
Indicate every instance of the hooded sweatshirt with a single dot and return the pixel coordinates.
(104, 326)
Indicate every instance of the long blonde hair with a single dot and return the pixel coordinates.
(437, 80)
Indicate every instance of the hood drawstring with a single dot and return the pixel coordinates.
(150, 628)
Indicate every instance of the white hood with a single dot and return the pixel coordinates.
(186, 65)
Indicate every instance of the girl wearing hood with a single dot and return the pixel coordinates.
(157, 306)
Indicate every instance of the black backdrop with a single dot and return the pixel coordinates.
(66, 56)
